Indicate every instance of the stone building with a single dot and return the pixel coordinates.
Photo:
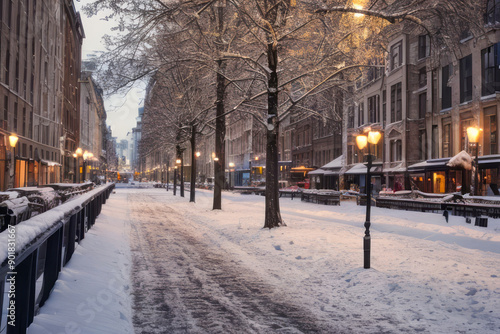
(40, 43)
(423, 107)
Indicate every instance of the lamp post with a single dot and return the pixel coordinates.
(231, 167)
(13, 141)
(473, 136)
(363, 141)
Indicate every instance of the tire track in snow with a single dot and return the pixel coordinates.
(182, 284)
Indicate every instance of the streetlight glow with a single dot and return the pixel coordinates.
(374, 137)
(473, 134)
(361, 141)
(13, 140)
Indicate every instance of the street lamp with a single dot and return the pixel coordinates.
(77, 155)
(231, 166)
(13, 141)
(473, 136)
(363, 141)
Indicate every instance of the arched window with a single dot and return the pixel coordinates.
(492, 15)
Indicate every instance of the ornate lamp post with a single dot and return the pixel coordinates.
(363, 141)
(13, 141)
(473, 136)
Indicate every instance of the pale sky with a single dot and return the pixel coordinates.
(121, 110)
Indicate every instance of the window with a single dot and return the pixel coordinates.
(384, 108)
(6, 108)
(423, 46)
(464, 142)
(15, 117)
(491, 72)
(361, 114)
(422, 143)
(396, 103)
(23, 130)
(490, 131)
(350, 118)
(422, 105)
(446, 140)
(7, 66)
(422, 77)
(373, 109)
(466, 79)
(492, 14)
(396, 59)
(435, 142)
(445, 89)
(396, 150)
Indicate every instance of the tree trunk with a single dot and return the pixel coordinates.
(193, 164)
(273, 215)
(220, 122)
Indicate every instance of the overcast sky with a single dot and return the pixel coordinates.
(121, 110)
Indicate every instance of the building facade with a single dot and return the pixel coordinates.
(40, 43)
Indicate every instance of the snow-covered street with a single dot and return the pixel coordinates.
(195, 270)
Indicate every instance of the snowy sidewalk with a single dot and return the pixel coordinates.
(427, 275)
(92, 294)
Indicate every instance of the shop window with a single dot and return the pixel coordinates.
(466, 79)
(439, 182)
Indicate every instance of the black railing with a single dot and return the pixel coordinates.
(29, 272)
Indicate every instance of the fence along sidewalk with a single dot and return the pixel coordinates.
(43, 245)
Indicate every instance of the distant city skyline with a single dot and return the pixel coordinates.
(121, 110)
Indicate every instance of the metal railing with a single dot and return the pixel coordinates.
(31, 267)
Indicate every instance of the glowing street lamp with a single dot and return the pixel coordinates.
(13, 141)
(473, 136)
(363, 141)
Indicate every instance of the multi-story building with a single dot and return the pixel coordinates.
(93, 131)
(40, 44)
(423, 107)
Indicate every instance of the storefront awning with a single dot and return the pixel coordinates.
(362, 169)
(433, 164)
(318, 171)
(399, 168)
(334, 164)
(50, 163)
